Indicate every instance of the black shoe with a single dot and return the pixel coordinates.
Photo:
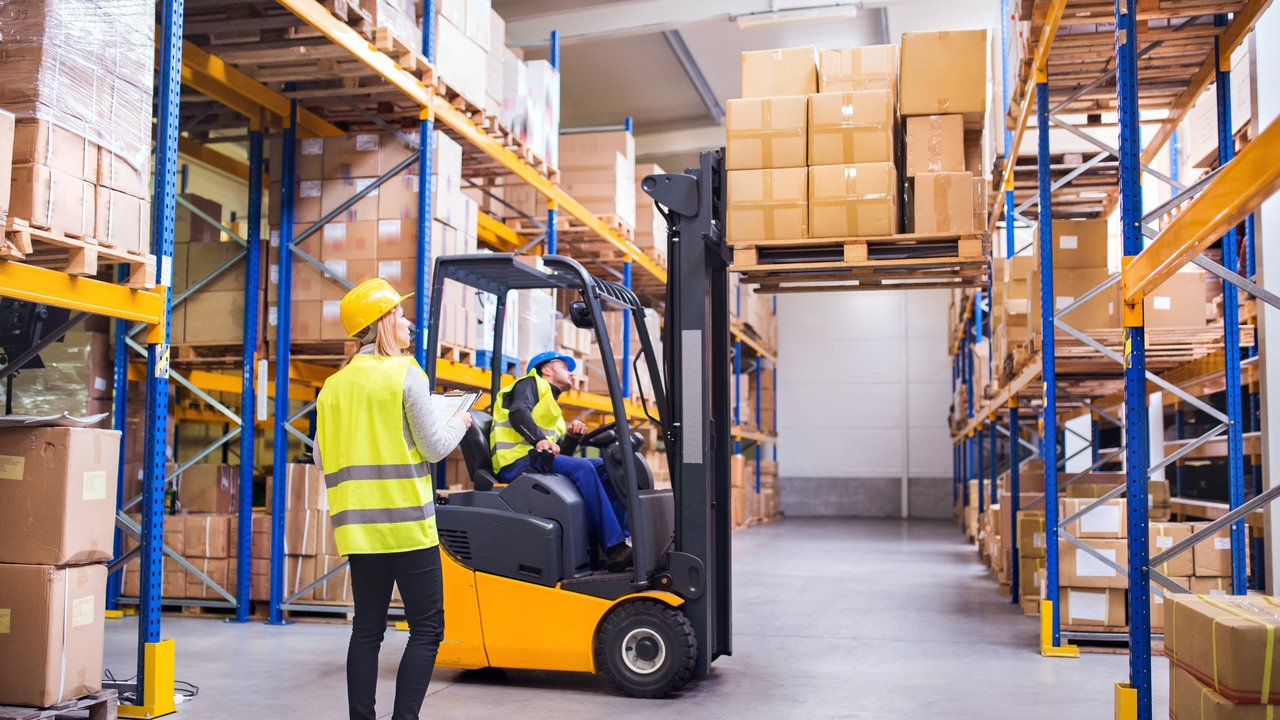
(618, 557)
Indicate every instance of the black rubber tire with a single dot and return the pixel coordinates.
(663, 622)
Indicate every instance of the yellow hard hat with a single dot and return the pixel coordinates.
(366, 302)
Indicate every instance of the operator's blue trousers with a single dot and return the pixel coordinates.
(606, 515)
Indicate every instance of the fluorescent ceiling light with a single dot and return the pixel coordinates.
(795, 15)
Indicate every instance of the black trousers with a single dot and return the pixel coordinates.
(417, 573)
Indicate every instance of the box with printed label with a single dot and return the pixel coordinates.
(853, 200)
(57, 494)
(1078, 244)
(1099, 608)
(770, 73)
(935, 144)
(766, 132)
(943, 203)
(334, 192)
(1080, 568)
(1228, 641)
(1099, 312)
(1164, 535)
(855, 126)
(768, 204)
(1212, 556)
(1031, 533)
(1106, 521)
(354, 155)
(943, 73)
(872, 67)
(1178, 302)
(51, 633)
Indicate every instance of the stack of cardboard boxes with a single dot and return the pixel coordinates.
(76, 377)
(747, 503)
(77, 75)
(598, 169)
(650, 227)
(1222, 656)
(57, 522)
(815, 149)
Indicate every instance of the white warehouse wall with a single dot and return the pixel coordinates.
(864, 386)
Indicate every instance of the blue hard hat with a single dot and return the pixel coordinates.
(547, 357)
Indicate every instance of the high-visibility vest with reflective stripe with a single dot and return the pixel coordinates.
(379, 486)
(507, 443)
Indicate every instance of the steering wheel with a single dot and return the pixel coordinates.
(593, 437)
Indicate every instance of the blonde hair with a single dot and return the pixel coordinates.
(382, 336)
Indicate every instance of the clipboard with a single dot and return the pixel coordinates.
(457, 401)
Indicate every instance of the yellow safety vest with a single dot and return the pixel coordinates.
(379, 487)
(507, 443)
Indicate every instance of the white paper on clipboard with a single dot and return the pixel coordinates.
(454, 402)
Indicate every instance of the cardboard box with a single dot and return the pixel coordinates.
(770, 73)
(221, 571)
(57, 495)
(336, 587)
(205, 535)
(1101, 311)
(1031, 536)
(853, 200)
(119, 174)
(48, 198)
(1078, 568)
(1164, 535)
(6, 159)
(122, 221)
(1178, 302)
(1029, 573)
(851, 127)
(202, 258)
(943, 203)
(398, 198)
(594, 151)
(872, 67)
(1107, 521)
(355, 155)
(304, 488)
(980, 201)
(1212, 556)
(335, 192)
(260, 537)
(1098, 608)
(461, 62)
(299, 572)
(52, 640)
(326, 543)
(767, 132)
(221, 321)
(37, 142)
(1226, 639)
(1192, 699)
(935, 144)
(349, 241)
(1209, 585)
(300, 532)
(208, 488)
(1078, 245)
(768, 204)
(943, 73)
(1160, 600)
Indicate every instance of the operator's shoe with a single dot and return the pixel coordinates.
(618, 557)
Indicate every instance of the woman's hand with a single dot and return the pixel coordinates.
(465, 417)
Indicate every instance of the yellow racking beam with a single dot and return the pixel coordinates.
(744, 434)
(210, 76)
(628, 248)
(498, 236)
(736, 330)
(40, 285)
(1039, 65)
(1235, 192)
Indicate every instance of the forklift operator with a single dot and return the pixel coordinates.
(528, 418)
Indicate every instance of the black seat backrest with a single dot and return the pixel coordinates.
(475, 451)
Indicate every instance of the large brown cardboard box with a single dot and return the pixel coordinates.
(1228, 639)
(1178, 302)
(1160, 600)
(6, 159)
(770, 73)
(1165, 535)
(122, 221)
(873, 67)
(219, 570)
(118, 174)
(943, 73)
(203, 258)
(1192, 699)
(1101, 311)
(766, 132)
(768, 204)
(853, 200)
(943, 203)
(353, 155)
(37, 142)
(349, 241)
(304, 488)
(48, 198)
(336, 587)
(1078, 568)
(51, 633)
(299, 572)
(301, 529)
(935, 144)
(327, 543)
(208, 488)
(334, 193)
(1107, 521)
(980, 202)
(260, 537)
(851, 127)
(1029, 569)
(57, 495)
(1031, 537)
(595, 150)
(221, 317)
(398, 198)
(1209, 585)
(206, 535)
(1087, 606)
(1212, 556)
(1078, 245)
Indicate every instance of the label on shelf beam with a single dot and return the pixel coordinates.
(261, 382)
(166, 271)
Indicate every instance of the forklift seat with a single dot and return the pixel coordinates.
(475, 451)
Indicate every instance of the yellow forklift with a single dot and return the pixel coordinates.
(520, 591)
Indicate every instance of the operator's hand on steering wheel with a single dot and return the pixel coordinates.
(577, 427)
(548, 445)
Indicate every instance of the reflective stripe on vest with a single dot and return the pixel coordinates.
(379, 487)
(507, 444)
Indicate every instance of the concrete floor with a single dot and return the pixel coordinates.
(833, 618)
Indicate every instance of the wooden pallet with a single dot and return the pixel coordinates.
(72, 254)
(102, 705)
(350, 12)
(457, 353)
(862, 249)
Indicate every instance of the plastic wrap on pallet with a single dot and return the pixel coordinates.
(83, 65)
(76, 378)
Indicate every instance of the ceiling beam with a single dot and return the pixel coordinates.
(690, 65)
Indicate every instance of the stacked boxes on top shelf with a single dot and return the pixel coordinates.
(57, 525)
(597, 169)
(77, 76)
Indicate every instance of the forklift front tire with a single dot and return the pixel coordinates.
(646, 648)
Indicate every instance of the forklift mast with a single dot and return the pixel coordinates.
(696, 419)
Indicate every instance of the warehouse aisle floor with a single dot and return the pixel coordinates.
(834, 618)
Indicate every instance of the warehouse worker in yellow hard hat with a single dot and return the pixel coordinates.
(526, 419)
(376, 434)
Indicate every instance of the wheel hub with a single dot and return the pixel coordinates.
(643, 651)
